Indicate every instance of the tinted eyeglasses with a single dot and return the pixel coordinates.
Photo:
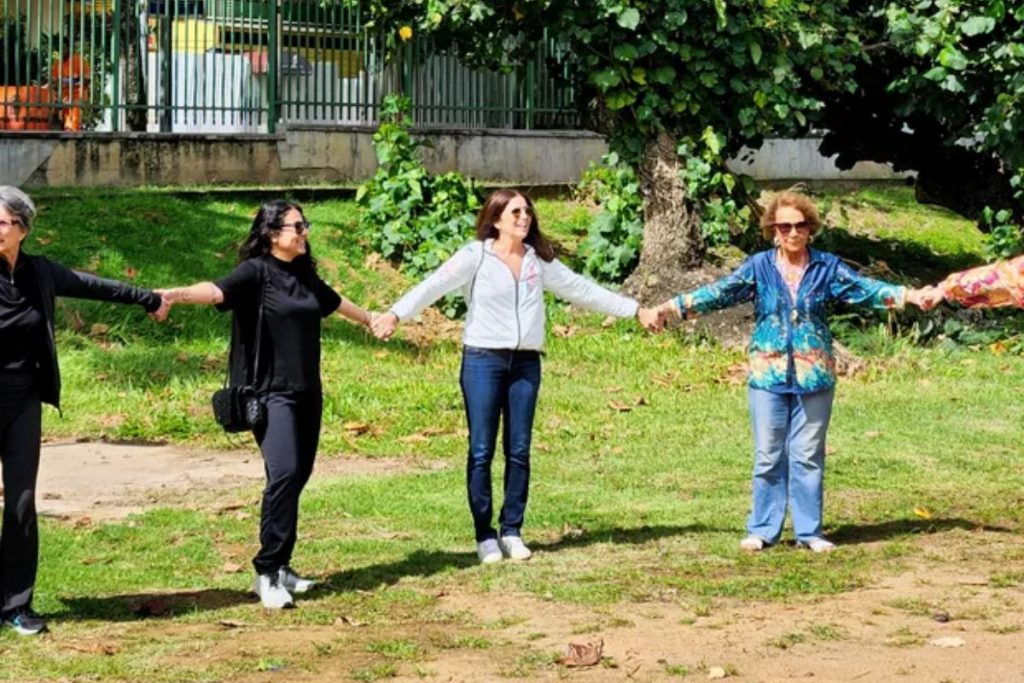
(786, 228)
(519, 210)
(299, 227)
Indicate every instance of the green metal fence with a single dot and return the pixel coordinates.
(244, 66)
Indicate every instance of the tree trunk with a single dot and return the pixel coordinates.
(134, 82)
(672, 244)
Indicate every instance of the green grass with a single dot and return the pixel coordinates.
(637, 506)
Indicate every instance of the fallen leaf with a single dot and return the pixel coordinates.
(413, 438)
(562, 330)
(231, 568)
(356, 428)
(922, 512)
(716, 672)
(130, 273)
(613, 390)
(609, 321)
(640, 401)
(587, 654)
(83, 522)
(618, 450)
(872, 434)
(98, 330)
(183, 357)
(947, 641)
(231, 623)
(49, 495)
(619, 406)
(43, 240)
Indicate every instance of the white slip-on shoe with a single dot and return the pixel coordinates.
(293, 582)
(514, 548)
(819, 545)
(752, 544)
(488, 551)
(272, 594)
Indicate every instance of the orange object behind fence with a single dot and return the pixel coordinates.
(73, 74)
(25, 107)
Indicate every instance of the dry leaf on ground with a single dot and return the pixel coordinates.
(586, 654)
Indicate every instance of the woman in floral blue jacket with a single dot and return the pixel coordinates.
(792, 368)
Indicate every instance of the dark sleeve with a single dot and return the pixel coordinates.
(79, 285)
(328, 299)
(240, 285)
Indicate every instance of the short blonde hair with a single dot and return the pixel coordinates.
(794, 200)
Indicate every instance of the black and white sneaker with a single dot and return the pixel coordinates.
(272, 594)
(293, 582)
(25, 622)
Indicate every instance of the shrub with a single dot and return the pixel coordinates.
(611, 249)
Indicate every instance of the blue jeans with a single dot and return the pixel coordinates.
(499, 383)
(789, 462)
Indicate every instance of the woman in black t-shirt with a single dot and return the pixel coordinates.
(277, 268)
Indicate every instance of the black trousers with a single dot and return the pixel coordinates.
(289, 440)
(20, 428)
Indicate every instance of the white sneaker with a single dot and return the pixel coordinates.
(293, 582)
(819, 545)
(514, 548)
(272, 594)
(488, 551)
(752, 544)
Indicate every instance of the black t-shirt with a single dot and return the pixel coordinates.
(292, 310)
(22, 324)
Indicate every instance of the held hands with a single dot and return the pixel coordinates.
(649, 319)
(160, 314)
(383, 325)
(925, 298)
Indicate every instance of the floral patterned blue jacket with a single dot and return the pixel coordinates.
(791, 347)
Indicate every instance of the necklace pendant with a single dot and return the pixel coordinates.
(793, 316)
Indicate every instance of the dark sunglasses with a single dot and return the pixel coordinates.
(299, 227)
(786, 228)
(518, 211)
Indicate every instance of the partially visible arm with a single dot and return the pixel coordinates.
(354, 313)
(735, 288)
(992, 286)
(452, 274)
(851, 287)
(79, 285)
(199, 293)
(578, 290)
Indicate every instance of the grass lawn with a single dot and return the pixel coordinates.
(628, 507)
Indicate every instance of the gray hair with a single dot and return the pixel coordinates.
(18, 204)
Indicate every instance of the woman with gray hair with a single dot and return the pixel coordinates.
(29, 377)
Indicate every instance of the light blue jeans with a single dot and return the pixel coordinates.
(789, 462)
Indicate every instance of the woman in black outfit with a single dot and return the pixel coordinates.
(276, 266)
(29, 376)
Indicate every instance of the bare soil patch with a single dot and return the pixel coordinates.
(110, 481)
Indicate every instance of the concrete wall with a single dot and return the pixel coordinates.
(325, 155)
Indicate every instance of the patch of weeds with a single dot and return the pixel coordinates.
(1006, 579)
(688, 621)
(586, 628)
(827, 632)
(915, 606)
(1003, 629)
(678, 670)
(323, 649)
(528, 664)
(620, 622)
(424, 672)
(508, 621)
(270, 664)
(786, 640)
(375, 672)
(536, 635)
(456, 642)
(702, 609)
(904, 637)
(395, 649)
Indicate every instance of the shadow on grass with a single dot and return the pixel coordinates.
(850, 534)
(907, 259)
(158, 605)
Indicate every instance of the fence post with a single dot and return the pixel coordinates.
(115, 46)
(407, 69)
(531, 86)
(272, 54)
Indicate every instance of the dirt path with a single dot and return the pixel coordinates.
(110, 481)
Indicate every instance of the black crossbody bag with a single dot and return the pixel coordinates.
(241, 409)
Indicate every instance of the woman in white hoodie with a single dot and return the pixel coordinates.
(503, 275)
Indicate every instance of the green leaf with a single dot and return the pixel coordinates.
(977, 25)
(629, 19)
(607, 79)
(664, 75)
(755, 53)
(720, 11)
(639, 76)
(626, 52)
(937, 73)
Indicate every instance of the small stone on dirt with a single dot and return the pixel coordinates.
(583, 654)
(716, 672)
(947, 641)
(940, 616)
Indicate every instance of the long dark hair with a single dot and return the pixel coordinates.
(268, 222)
(495, 205)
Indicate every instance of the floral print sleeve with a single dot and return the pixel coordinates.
(851, 287)
(997, 284)
(735, 288)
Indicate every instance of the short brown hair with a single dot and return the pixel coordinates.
(794, 200)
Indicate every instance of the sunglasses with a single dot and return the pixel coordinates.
(519, 210)
(299, 227)
(786, 228)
